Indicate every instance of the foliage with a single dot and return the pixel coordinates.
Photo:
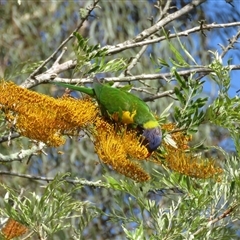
(91, 59)
(190, 115)
(68, 189)
(48, 213)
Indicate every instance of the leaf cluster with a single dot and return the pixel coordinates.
(189, 114)
(92, 58)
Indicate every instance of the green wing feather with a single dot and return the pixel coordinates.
(114, 101)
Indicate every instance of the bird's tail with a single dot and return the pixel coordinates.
(88, 91)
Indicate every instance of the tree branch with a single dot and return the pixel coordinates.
(223, 215)
(50, 74)
(121, 47)
(47, 77)
(19, 156)
(83, 182)
(162, 11)
(159, 25)
(157, 76)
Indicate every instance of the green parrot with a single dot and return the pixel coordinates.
(126, 108)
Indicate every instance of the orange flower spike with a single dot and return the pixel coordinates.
(13, 229)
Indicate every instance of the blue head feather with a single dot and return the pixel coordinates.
(153, 138)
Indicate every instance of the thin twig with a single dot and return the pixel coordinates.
(232, 41)
(223, 215)
(134, 60)
(142, 90)
(162, 11)
(159, 95)
(178, 130)
(132, 63)
(60, 56)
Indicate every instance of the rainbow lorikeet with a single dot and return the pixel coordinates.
(124, 107)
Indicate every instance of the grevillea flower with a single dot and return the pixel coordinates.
(119, 148)
(44, 118)
(186, 162)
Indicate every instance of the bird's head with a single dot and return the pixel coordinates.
(152, 138)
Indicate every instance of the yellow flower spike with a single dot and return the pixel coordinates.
(44, 118)
(133, 145)
(189, 164)
(111, 146)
